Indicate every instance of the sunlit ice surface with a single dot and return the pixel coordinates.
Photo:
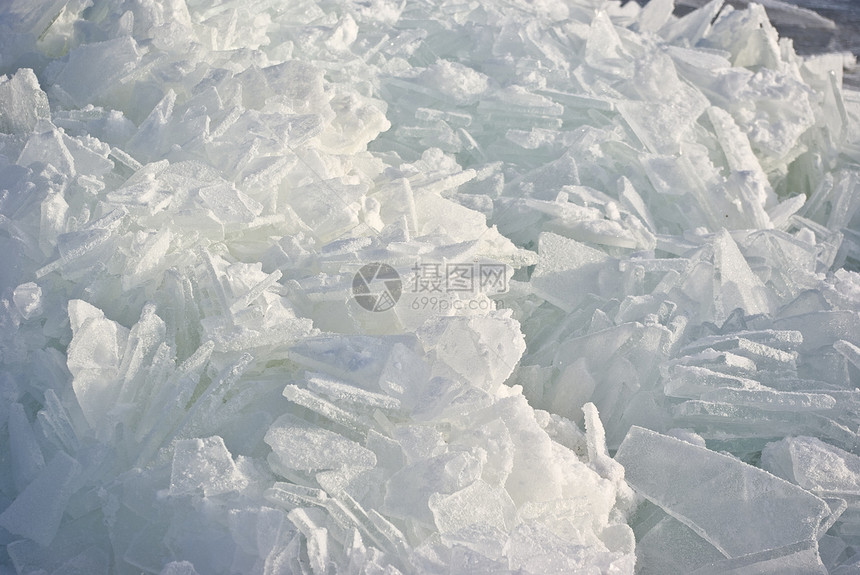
(427, 287)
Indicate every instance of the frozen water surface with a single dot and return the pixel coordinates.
(425, 287)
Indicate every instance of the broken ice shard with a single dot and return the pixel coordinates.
(814, 465)
(94, 360)
(297, 444)
(737, 508)
(204, 466)
(24, 102)
(186, 190)
(37, 511)
(569, 270)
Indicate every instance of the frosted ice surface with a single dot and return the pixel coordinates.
(669, 546)
(458, 83)
(47, 146)
(408, 490)
(794, 559)
(355, 396)
(188, 189)
(568, 270)
(654, 15)
(25, 104)
(477, 504)
(361, 360)
(322, 406)
(178, 568)
(821, 328)
(596, 441)
(92, 560)
(486, 360)
(26, 456)
(708, 492)
(204, 466)
(94, 360)
(739, 286)
(28, 299)
(814, 465)
(303, 446)
(93, 70)
(689, 29)
(36, 513)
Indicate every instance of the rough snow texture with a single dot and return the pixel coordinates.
(187, 189)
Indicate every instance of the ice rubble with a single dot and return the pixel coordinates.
(188, 189)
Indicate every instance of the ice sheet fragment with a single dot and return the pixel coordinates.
(37, 511)
(709, 492)
(94, 360)
(187, 189)
(813, 465)
(24, 102)
(569, 270)
(796, 558)
(300, 445)
(477, 504)
(204, 466)
(94, 69)
(26, 456)
(28, 299)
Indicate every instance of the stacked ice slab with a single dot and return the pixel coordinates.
(188, 188)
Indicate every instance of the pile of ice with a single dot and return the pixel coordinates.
(188, 189)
